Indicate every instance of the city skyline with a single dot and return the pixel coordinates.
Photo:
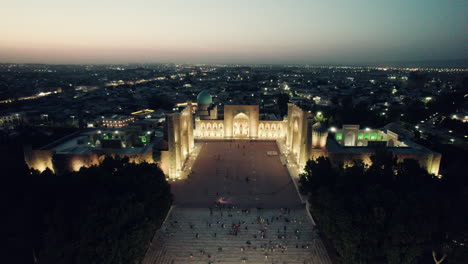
(301, 32)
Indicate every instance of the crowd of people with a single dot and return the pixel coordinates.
(229, 220)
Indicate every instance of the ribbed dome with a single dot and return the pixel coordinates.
(204, 98)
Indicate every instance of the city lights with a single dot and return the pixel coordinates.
(184, 131)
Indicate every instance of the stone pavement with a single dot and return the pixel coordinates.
(240, 171)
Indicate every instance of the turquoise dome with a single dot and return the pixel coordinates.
(204, 98)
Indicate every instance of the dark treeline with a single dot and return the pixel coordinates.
(390, 212)
(102, 214)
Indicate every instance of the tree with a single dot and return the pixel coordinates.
(102, 214)
(415, 111)
(386, 212)
(283, 99)
(158, 102)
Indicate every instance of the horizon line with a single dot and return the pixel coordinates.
(382, 63)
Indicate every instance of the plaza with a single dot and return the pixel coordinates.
(237, 204)
(241, 172)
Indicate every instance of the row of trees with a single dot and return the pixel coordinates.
(102, 214)
(389, 212)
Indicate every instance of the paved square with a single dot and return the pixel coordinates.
(242, 173)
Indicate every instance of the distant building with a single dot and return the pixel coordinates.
(463, 117)
(352, 143)
(84, 149)
(11, 119)
(145, 113)
(117, 121)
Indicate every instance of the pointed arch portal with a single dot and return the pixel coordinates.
(241, 125)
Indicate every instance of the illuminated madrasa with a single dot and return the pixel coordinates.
(298, 135)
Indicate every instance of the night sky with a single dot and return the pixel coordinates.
(241, 31)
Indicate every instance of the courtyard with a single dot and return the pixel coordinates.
(242, 172)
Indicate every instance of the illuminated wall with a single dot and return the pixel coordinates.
(209, 128)
(180, 139)
(39, 159)
(319, 136)
(272, 129)
(428, 161)
(74, 162)
(298, 136)
(352, 135)
(139, 158)
(215, 129)
(241, 121)
(165, 162)
(66, 162)
(347, 159)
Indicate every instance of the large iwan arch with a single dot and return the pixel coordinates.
(241, 125)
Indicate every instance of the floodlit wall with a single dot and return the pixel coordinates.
(297, 141)
(429, 161)
(165, 162)
(214, 129)
(272, 129)
(65, 162)
(139, 158)
(241, 121)
(74, 162)
(348, 159)
(351, 135)
(39, 159)
(209, 129)
(180, 139)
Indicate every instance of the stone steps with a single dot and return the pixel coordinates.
(188, 237)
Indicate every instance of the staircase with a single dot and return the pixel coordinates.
(201, 236)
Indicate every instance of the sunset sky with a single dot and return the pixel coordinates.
(241, 31)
